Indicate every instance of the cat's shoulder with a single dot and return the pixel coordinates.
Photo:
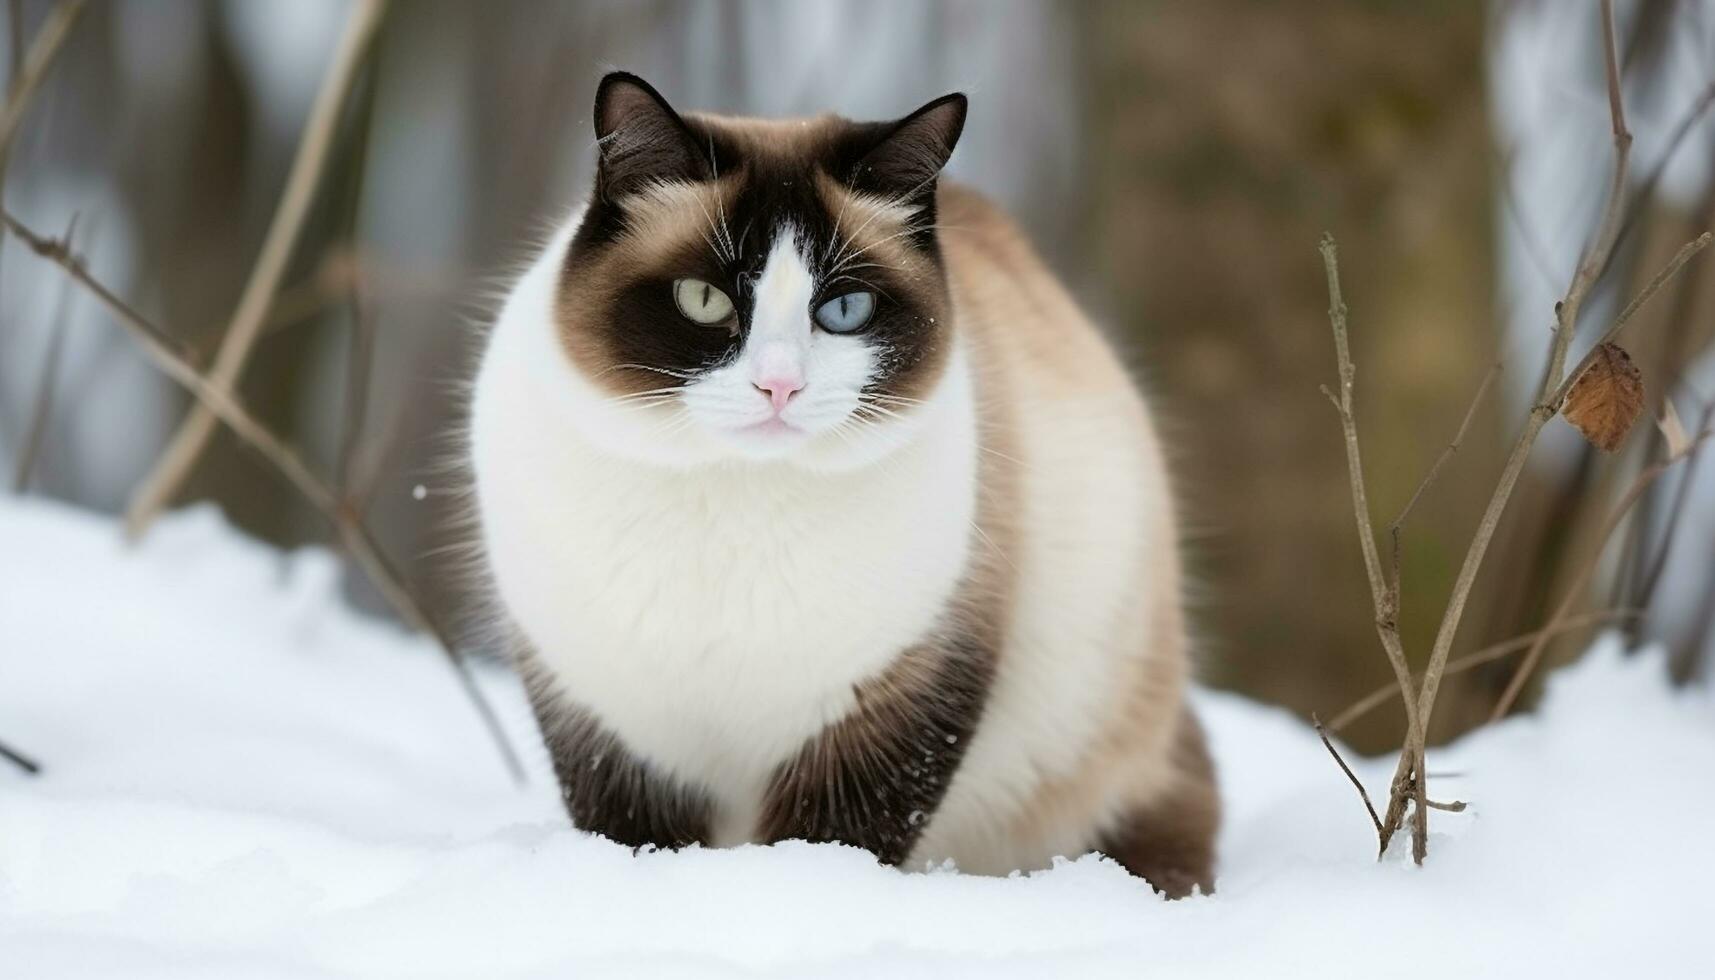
(987, 252)
(1011, 305)
(965, 215)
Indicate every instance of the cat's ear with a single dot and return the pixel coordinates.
(907, 159)
(641, 140)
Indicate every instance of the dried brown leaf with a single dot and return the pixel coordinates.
(1606, 399)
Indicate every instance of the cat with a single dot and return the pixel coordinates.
(816, 509)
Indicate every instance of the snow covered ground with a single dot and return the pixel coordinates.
(246, 779)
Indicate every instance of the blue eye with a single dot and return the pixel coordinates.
(843, 314)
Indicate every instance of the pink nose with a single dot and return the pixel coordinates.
(779, 389)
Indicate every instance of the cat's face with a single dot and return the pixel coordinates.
(752, 290)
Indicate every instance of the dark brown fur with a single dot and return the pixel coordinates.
(1171, 843)
(606, 789)
(874, 778)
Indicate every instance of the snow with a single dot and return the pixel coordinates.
(244, 778)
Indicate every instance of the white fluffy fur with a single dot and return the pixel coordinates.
(713, 597)
(714, 608)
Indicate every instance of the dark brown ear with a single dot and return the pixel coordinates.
(641, 139)
(906, 160)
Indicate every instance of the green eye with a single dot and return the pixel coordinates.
(843, 314)
(701, 302)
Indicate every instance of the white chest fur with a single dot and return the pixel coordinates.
(714, 617)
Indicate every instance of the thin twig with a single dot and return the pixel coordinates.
(1454, 806)
(1687, 122)
(360, 353)
(46, 384)
(360, 348)
(1363, 793)
(1447, 452)
(1384, 597)
(1660, 279)
(338, 273)
(163, 481)
(171, 361)
(29, 69)
(1409, 784)
(1489, 654)
(19, 759)
(1639, 572)
(1576, 590)
(49, 39)
(1676, 511)
(15, 42)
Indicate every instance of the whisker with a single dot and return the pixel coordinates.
(651, 393)
(1014, 460)
(839, 219)
(731, 251)
(857, 281)
(744, 236)
(990, 541)
(881, 410)
(714, 245)
(681, 375)
(870, 265)
(844, 430)
(897, 201)
(881, 396)
(671, 425)
(720, 203)
(908, 230)
(640, 406)
(881, 413)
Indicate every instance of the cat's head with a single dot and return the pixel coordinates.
(758, 290)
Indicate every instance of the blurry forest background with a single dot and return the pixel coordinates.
(1176, 162)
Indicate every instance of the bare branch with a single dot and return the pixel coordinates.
(43, 50)
(28, 70)
(15, 42)
(1383, 596)
(1640, 484)
(158, 488)
(164, 352)
(1394, 529)
(1343, 404)
(1661, 278)
(19, 759)
(1363, 793)
(1595, 259)
(1676, 511)
(46, 383)
(360, 353)
(1489, 654)
(1646, 188)
(1611, 73)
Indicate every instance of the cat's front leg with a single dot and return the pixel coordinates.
(607, 789)
(1170, 841)
(875, 778)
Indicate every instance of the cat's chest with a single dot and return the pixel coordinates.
(661, 569)
(716, 620)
